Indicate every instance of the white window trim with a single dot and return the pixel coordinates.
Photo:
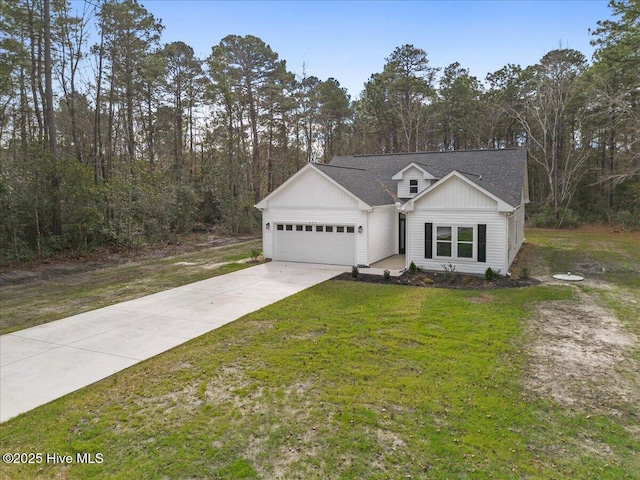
(454, 242)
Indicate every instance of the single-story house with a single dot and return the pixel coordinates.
(464, 208)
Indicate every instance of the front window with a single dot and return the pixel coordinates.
(454, 242)
(413, 186)
(443, 242)
(465, 242)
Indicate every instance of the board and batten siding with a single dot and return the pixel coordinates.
(381, 234)
(411, 174)
(312, 189)
(307, 216)
(456, 193)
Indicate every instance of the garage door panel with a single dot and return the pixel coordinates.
(336, 247)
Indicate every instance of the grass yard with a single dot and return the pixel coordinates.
(351, 380)
(45, 299)
(594, 252)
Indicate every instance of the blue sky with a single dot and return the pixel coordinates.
(349, 40)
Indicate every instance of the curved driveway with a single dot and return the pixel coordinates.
(42, 363)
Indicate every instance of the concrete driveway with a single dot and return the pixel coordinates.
(42, 363)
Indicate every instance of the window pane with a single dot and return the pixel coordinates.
(298, 228)
(280, 227)
(350, 229)
(289, 227)
(413, 189)
(413, 183)
(328, 229)
(308, 228)
(340, 229)
(319, 228)
(465, 250)
(444, 233)
(444, 249)
(465, 234)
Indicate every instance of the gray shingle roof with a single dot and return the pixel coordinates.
(358, 181)
(501, 172)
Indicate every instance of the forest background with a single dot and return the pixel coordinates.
(158, 142)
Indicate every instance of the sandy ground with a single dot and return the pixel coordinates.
(583, 358)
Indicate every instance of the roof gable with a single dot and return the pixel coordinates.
(308, 187)
(466, 194)
(425, 174)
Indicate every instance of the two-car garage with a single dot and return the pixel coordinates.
(330, 244)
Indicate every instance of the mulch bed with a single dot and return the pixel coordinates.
(442, 280)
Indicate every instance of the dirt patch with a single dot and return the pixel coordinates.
(213, 266)
(484, 298)
(442, 280)
(67, 264)
(582, 357)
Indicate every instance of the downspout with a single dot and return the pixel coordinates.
(506, 243)
(366, 233)
(396, 226)
(407, 246)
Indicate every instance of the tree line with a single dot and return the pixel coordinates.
(115, 138)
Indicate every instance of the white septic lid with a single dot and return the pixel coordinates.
(568, 277)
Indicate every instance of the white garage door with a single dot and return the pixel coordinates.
(331, 244)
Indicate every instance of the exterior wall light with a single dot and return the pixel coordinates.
(268, 225)
(360, 229)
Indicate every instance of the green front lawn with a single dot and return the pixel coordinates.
(344, 380)
(350, 380)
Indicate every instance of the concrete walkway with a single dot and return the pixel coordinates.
(395, 264)
(42, 363)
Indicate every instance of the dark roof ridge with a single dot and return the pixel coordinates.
(422, 165)
(468, 173)
(339, 166)
(434, 151)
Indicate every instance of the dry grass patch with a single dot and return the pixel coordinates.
(37, 295)
(582, 357)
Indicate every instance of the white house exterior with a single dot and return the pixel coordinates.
(464, 208)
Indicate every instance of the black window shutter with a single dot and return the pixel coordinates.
(428, 240)
(482, 243)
